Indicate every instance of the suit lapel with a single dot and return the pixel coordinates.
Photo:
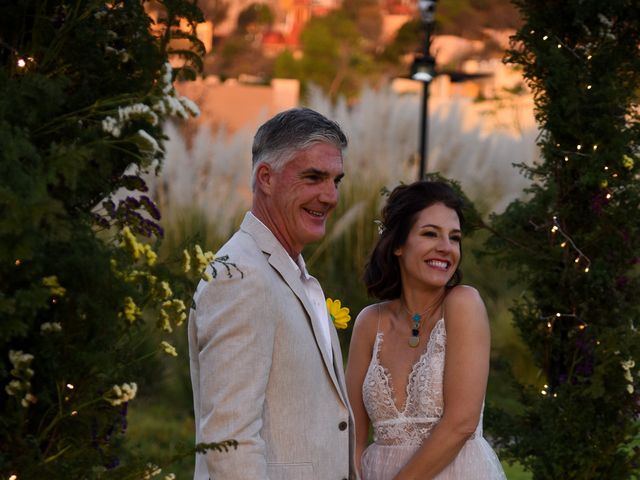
(280, 261)
(293, 280)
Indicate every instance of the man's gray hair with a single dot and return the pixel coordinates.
(278, 140)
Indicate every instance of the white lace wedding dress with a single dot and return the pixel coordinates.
(398, 434)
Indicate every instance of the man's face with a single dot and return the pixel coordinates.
(303, 193)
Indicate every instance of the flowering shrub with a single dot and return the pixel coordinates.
(85, 88)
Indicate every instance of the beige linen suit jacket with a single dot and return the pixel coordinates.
(261, 374)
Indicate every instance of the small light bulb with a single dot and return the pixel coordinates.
(606, 167)
(548, 324)
(13, 477)
(554, 229)
(586, 269)
(566, 159)
(559, 46)
(543, 392)
(579, 147)
(608, 196)
(22, 63)
(18, 262)
(558, 314)
(532, 32)
(589, 57)
(69, 386)
(545, 37)
(588, 87)
(582, 327)
(555, 395)
(563, 244)
(595, 147)
(74, 413)
(577, 259)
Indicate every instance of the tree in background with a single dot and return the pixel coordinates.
(85, 87)
(333, 57)
(574, 243)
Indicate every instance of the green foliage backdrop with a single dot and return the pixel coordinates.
(574, 243)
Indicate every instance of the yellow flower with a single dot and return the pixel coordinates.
(168, 349)
(627, 162)
(339, 314)
(186, 261)
(130, 311)
(166, 290)
(54, 286)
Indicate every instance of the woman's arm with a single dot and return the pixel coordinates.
(360, 350)
(465, 382)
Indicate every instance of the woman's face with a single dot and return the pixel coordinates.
(431, 253)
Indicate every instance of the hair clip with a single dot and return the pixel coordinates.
(381, 227)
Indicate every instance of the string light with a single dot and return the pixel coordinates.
(74, 413)
(18, 262)
(545, 37)
(558, 228)
(588, 87)
(70, 387)
(579, 147)
(559, 46)
(13, 477)
(595, 147)
(22, 63)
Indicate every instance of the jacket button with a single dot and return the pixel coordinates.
(342, 426)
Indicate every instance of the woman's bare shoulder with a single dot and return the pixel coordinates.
(366, 323)
(463, 305)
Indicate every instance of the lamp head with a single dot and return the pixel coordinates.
(423, 69)
(427, 10)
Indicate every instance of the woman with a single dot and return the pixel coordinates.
(419, 360)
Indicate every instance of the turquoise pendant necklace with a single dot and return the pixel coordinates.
(416, 318)
(414, 339)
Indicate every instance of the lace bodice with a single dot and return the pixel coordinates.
(424, 402)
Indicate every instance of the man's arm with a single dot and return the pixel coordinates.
(234, 334)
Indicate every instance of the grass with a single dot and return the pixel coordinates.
(162, 432)
(159, 432)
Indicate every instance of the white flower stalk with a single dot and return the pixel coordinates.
(137, 110)
(148, 144)
(627, 366)
(111, 126)
(120, 394)
(51, 327)
(20, 386)
(19, 359)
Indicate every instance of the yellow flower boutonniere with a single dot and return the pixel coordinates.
(339, 314)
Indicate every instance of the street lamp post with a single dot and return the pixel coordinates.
(423, 69)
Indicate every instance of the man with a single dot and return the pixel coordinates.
(266, 366)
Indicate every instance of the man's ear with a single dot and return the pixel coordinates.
(264, 178)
